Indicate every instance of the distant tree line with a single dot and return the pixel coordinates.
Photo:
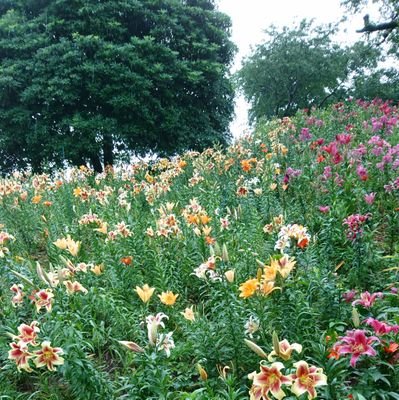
(301, 67)
(93, 81)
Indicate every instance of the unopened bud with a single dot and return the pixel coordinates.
(259, 274)
(355, 318)
(255, 348)
(42, 274)
(225, 253)
(132, 346)
(276, 343)
(230, 275)
(218, 250)
(202, 372)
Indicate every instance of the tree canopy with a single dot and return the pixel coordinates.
(81, 80)
(386, 25)
(299, 68)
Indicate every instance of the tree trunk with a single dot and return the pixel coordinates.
(96, 162)
(108, 149)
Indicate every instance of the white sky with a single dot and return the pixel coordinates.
(251, 17)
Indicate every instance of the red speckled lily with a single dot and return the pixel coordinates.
(306, 378)
(268, 380)
(48, 356)
(20, 354)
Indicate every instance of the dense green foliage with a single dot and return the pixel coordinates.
(300, 68)
(280, 234)
(83, 79)
(382, 28)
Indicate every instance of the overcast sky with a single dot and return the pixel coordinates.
(251, 17)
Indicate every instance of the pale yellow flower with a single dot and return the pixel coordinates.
(74, 287)
(61, 243)
(97, 269)
(144, 293)
(168, 298)
(103, 228)
(230, 275)
(267, 287)
(188, 314)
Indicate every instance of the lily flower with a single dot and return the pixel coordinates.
(251, 326)
(144, 293)
(28, 333)
(268, 380)
(44, 299)
(284, 350)
(381, 328)
(267, 287)
(152, 326)
(306, 378)
(285, 265)
(20, 354)
(168, 298)
(357, 344)
(188, 314)
(48, 356)
(367, 300)
(19, 295)
(165, 342)
(248, 288)
(97, 269)
(74, 287)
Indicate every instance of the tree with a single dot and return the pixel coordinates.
(382, 84)
(387, 24)
(299, 68)
(84, 80)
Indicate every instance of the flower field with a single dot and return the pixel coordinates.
(268, 270)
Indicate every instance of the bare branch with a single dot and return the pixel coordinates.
(370, 27)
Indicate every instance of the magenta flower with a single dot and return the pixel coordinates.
(357, 343)
(367, 300)
(381, 328)
(305, 135)
(369, 198)
(355, 223)
(362, 172)
(343, 138)
(349, 296)
(324, 209)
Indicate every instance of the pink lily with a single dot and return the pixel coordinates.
(357, 344)
(367, 300)
(381, 328)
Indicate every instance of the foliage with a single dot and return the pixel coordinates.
(177, 279)
(385, 29)
(300, 68)
(83, 79)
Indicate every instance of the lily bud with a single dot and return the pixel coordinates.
(218, 250)
(202, 372)
(259, 274)
(230, 275)
(225, 253)
(131, 346)
(255, 348)
(355, 318)
(42, 274)
(276, 343)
